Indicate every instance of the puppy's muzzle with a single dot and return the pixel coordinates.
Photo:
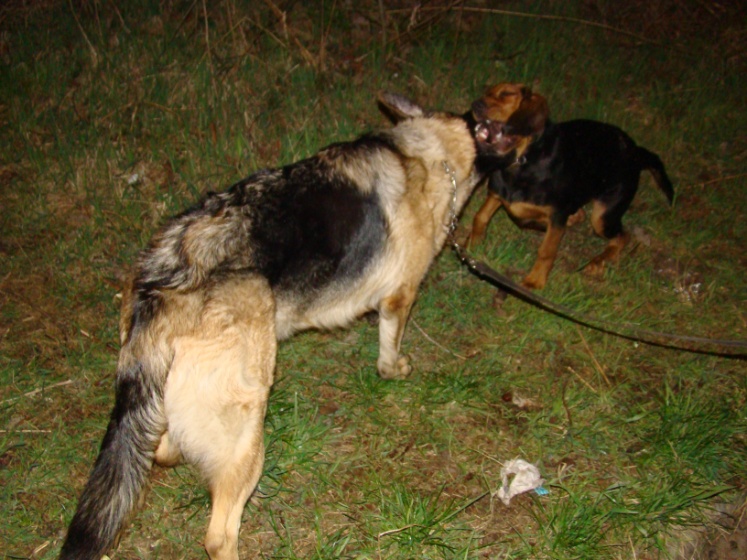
(493, 136)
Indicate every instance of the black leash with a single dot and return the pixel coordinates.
(737, 349)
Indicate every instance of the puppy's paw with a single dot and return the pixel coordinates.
(576, 218)
(399, 370)
(595, 269)
(534, 282)
(474, 239)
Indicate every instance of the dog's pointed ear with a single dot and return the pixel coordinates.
(530, 118)
(397, 107)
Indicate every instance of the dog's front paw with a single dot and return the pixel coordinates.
(398, 370)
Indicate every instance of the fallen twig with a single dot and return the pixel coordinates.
(597, 365)
(569, 19)
(394, 531)
(430, 339)
(37, 391)
(25, 431)
(588, 385)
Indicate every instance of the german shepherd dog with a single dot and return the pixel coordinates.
(314, 244)
(551, 170)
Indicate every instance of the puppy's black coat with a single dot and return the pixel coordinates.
(551, 170)
(575, 162)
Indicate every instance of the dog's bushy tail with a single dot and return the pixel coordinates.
(650, 161)
(124, 460)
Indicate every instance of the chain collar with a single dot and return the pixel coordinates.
(452, 226)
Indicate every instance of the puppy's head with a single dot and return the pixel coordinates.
(508, 116)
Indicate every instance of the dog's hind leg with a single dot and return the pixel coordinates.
(231, 487)
(216, 399)
(167, 454)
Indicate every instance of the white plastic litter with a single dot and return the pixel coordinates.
(526, 478)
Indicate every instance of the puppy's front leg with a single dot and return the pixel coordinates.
(393, 313)
(480, 222)
(548, 250)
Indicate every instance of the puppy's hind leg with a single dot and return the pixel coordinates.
(576, 218)
(607, 223)
(216, 399)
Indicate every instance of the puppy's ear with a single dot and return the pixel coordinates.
(398, 107)
(530, 118)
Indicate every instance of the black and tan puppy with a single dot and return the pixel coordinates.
(314, 244)
(551, 170)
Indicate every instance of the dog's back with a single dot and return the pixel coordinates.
(310, 245)
(293, 235)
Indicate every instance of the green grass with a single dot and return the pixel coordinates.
(638, 444)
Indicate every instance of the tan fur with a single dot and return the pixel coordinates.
(537, 277)
(614, 248)
(218, 344)
(216, 397)
(523, 212)
(503, 100)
